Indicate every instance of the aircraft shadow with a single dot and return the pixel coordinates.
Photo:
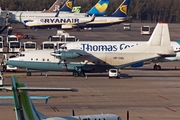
(150, 69)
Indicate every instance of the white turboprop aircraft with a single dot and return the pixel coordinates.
(24, 17)
(25, 109)
(119, 16)
(97, 56)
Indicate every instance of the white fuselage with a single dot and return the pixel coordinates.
(22, 16)
(100, 53)
(72, 20)
(88, 117)
(58, 21)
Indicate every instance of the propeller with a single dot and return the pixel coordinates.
(57, 54)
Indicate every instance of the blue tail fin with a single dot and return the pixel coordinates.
(122, 10)
(67, 7)
(100, 8)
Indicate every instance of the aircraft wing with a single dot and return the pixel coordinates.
(145, 60)
(39, 89)
(46, 89)
(81, 23)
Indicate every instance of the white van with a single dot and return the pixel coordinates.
(114, 73)
(126, 26)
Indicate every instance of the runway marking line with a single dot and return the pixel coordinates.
(163, 97)
(170, 109)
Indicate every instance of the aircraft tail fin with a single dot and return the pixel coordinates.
(159, 42)
(55, 7)
(24, 108)
(160, 33)
(100, 8)
(67, 7)
(122, 10)
(161, 37)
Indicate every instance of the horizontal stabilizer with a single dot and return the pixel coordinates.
(46, 98)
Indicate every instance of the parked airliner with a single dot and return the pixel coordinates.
(97, 56)
(25, 109)
(23, 16)
(119, 16)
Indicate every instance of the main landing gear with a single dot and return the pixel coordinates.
(157, 67)
(78, 73)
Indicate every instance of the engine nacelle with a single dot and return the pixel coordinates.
(69, 55)
(137, 64)
(66, 26)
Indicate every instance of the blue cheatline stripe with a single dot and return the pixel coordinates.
(178, 42)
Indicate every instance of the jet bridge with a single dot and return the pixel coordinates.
(4, 16)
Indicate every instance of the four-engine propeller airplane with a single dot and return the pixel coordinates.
(96, 56)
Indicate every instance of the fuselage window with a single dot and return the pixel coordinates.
(36, 59)
(43, 59)
(47, 59)
(31, 58)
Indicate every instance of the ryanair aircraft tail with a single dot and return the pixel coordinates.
(55, 7)
(67, 7)
(122, 10)
(100, 8)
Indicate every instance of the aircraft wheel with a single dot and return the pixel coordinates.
(157, 67)
(82, 74)
(4, 68)
(75, 74)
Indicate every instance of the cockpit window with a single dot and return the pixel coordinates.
(63, 47)
(20, 55)
(12, 56)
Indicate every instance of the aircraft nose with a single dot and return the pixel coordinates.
(11, 61)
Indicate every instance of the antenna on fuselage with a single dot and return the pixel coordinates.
(127, 115)
(73, 113)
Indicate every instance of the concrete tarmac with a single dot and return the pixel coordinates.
(147, 94)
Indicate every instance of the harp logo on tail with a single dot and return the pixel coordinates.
(123, 9)
(69, 4)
